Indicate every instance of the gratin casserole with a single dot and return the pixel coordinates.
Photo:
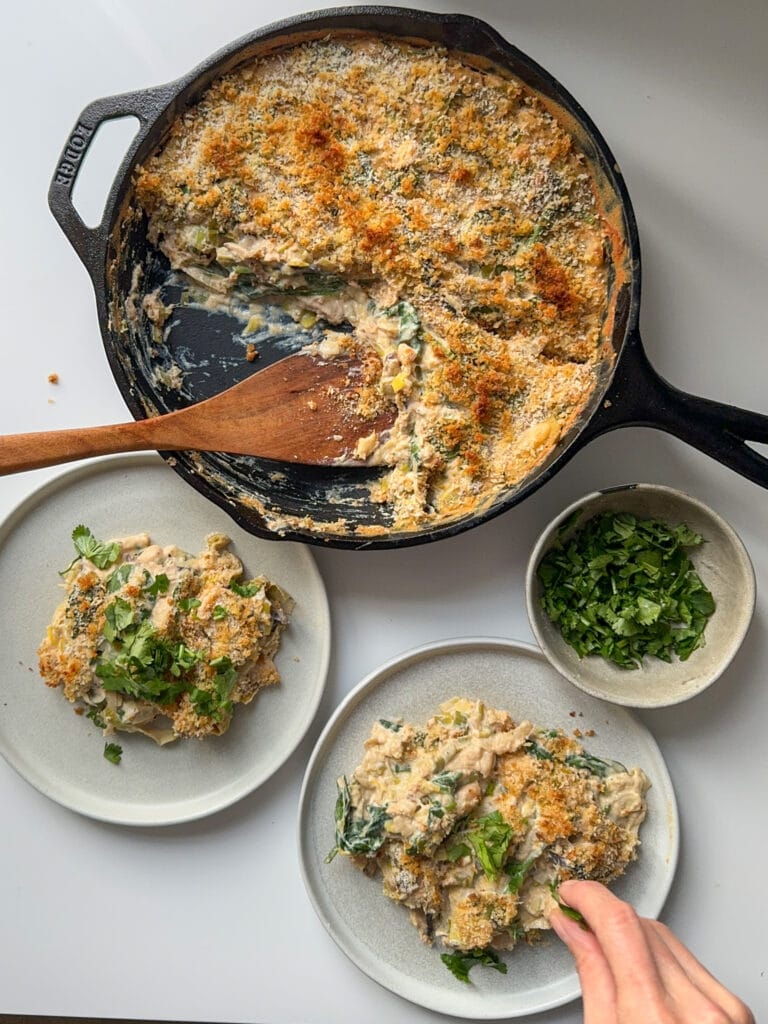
(431, 215)
(474, 819)
(154, 640)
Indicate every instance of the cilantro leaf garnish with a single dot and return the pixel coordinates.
(215, 703)
(186, 604)
(457, 852)
(159, 585)
(461, 962)
(118, 616)
(624, 588)
(102, 555)
(147, 666)
(119, 577)
(113, 752)
(245, 589)
(96, 717)
(490, 837)
(219, 612)
(517, 871)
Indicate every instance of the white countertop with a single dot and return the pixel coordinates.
(203, 930)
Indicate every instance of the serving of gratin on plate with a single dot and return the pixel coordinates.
(400, 204)
(153, 640)
(474, 819)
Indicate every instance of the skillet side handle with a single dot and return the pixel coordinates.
(90, 243)
(639, 396)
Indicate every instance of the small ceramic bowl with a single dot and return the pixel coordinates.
(721, 561)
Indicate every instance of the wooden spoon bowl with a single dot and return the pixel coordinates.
(299, 409)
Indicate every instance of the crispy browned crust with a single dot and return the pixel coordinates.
(389, 163)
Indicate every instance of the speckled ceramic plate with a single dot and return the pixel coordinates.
(60, 753)
(373, 931)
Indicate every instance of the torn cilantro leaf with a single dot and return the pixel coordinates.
(186, 604)
(113, 752)
(624, 588)
(219, 612)
(461, 962)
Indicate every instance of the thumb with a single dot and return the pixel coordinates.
(598, 988)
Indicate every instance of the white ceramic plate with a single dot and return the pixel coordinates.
(373, 931)
(60, 753)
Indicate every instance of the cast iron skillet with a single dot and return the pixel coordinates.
(258, 493)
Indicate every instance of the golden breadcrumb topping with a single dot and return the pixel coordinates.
(439, 209)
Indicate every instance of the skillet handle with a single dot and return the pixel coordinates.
(639, 396)
(90, 243)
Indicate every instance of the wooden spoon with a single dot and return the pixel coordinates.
(296, 410)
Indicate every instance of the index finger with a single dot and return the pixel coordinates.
(622, 939)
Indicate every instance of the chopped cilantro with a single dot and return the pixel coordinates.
(159, 585)
(517, 870)
(624, 588)
(113, 752)
(188, 603)
(490, 837)
(118, 616)
(461, 962)
(219, 612)
(96, 717)
(457, 852)
(118, 578)
(245, 589)
(147, 667)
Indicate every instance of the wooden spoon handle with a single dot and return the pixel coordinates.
(49, 448)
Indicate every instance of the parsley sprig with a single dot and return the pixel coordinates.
(624, 588)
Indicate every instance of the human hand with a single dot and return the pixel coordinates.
(634, 971)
